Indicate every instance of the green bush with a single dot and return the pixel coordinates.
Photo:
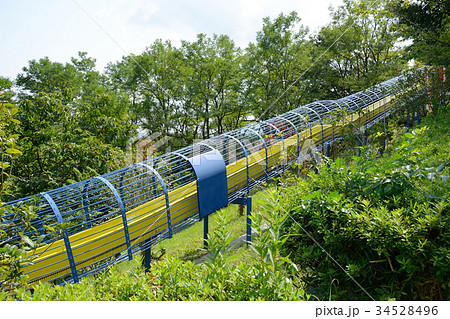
(267, 278)
(384, 220)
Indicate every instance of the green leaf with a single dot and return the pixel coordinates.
(409, 135)
(13, 151)
(27, 240)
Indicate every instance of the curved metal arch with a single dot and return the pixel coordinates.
(181, 155)
(166, 194)
(345, 102)
(371, 100)
(296, 130)
(187, 158)
(204, 144)
(350, 100)
(265, 147)
(308, 108)
(284, 146)
(334, 102)
(320, 103)
(332, 117)
(69, 252)
(246, 157)
(121, 207)
(330, 111)
(302, 117)
(389, 85)
(355, 96)
(320, 118)
(376, 93)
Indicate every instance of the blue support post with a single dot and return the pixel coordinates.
(360, 145)
(147, 259)
(249, 221)
(205, 231)
(247, 201)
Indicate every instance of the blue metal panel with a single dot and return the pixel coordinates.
(212, 188)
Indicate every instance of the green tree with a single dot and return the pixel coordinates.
(153, 82)
(74, 125)
(12, 251)
(213, 83)
(83, 92)
(274, 66)
(427, 24)
(356, 50)
(56, 151)
(8, 140)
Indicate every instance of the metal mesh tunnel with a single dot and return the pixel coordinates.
(92, 224)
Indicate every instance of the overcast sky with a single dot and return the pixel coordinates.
(110, 29)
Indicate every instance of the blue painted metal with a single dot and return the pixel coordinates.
(249, 221)
(55, 209)
(247, 201)
(205, 230)
(265, 147)
(320, 118)
(284, 146)
(246, 158)
(212, 187)
(147, 256)
(296, 131)
(122, 211)
(86, 205)
(166, 195)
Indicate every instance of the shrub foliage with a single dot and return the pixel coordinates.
(384, 220)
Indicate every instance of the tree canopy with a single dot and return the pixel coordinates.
(78, 122)
(427, 24)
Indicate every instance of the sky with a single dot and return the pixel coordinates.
(110, 29)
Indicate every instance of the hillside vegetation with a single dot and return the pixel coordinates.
(384, 220)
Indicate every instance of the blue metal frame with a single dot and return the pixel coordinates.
(246, 157)
(212, 188)
(265, 147)
(296, 131)
(55, 209)
(87, 204)
(166, 195)
(284, 146)
(123, 212)
(247, 201)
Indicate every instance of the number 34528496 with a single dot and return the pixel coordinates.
(407, 310)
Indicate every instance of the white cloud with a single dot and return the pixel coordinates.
(60, 29)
